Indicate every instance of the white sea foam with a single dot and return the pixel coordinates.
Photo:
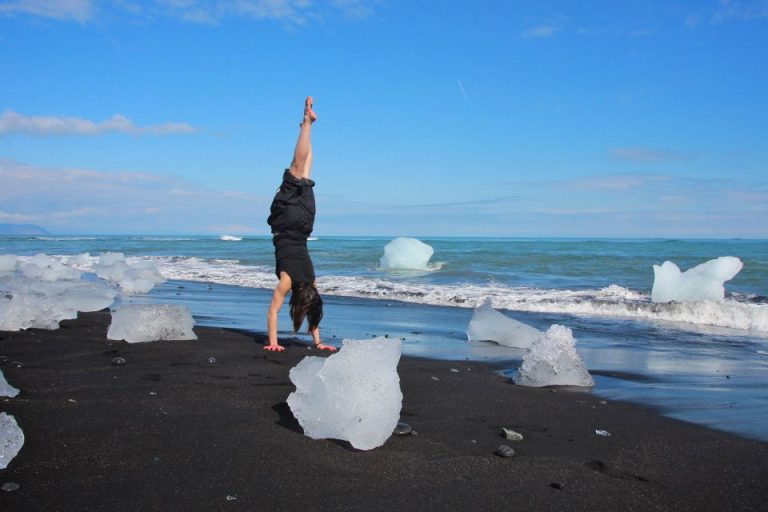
(612, 301)
(230, 238)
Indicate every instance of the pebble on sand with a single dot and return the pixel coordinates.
(505, 451)
(402, 429)
(511, 435)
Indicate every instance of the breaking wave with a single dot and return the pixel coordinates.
(737, 312)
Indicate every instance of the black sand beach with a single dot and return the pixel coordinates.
(171, 431)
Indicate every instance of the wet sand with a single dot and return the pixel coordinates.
(171, 431)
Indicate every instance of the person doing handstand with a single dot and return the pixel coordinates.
(292, 218)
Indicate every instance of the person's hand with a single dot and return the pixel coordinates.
(274, 348)
(320, 346)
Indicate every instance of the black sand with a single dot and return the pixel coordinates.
(170, 431)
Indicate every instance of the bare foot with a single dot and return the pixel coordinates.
(320, 346)
(309, 114)
(274, 348)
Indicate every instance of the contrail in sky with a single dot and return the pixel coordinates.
(461, 88)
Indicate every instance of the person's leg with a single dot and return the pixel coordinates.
(302, 155)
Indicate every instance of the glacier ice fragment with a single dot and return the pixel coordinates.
(702, 282)
(408, 254)
(11, 439)
(353, 395)
(138, 277)
(5, 388)
(136, 323)
(487, 324)
(552, 360)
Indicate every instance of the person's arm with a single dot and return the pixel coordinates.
(318, 342)
(278, 298)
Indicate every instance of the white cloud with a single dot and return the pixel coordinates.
(88, 201)
(540, 32)
(649, 155)
(12, 122)
(62, 10)
(297, 12)
(741, 10)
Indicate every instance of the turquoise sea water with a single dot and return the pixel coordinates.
(706, 363)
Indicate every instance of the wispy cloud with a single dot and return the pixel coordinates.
(540, 32)
(12, 122)
(89, 201)
(741, 10)
(297, 12)
(612, 182)
(62, 10)
(461, 88)
(649, 155)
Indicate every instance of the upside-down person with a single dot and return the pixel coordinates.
(292, 218)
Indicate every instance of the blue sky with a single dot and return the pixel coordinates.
(489, 118)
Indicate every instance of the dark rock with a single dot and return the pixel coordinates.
(505, 451)
(118, 361)
(402, 429)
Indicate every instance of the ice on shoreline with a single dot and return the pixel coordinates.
(11, 439)
(137, 323)
(487, 324)
(700, 283)
(39, 292)
(139, 277)
(6, 389)
(353, 395)
(408, 254)
(552, 360)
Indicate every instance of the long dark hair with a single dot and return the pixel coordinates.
(306, 303)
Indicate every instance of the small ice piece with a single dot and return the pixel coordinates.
(11, 439)
(702, 282)
(603, 433)
(408, 254)
(552, 360)
(353, 395)
(487, 324)
(137, 323)
(5, 388)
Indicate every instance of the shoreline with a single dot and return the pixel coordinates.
(170, 431)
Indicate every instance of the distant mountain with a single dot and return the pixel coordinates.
(21, 229)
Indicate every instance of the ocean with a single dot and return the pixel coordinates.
(700, 362)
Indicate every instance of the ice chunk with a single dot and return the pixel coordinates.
(5, 388)
(487, 324)
(46, 268)
(353, 395)
(408, 254)
(80, 260)
(552, 361)
(139, 277)
(702, 282)
(11, 439)
(33, 303)
(7, 262)
(137, 323)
